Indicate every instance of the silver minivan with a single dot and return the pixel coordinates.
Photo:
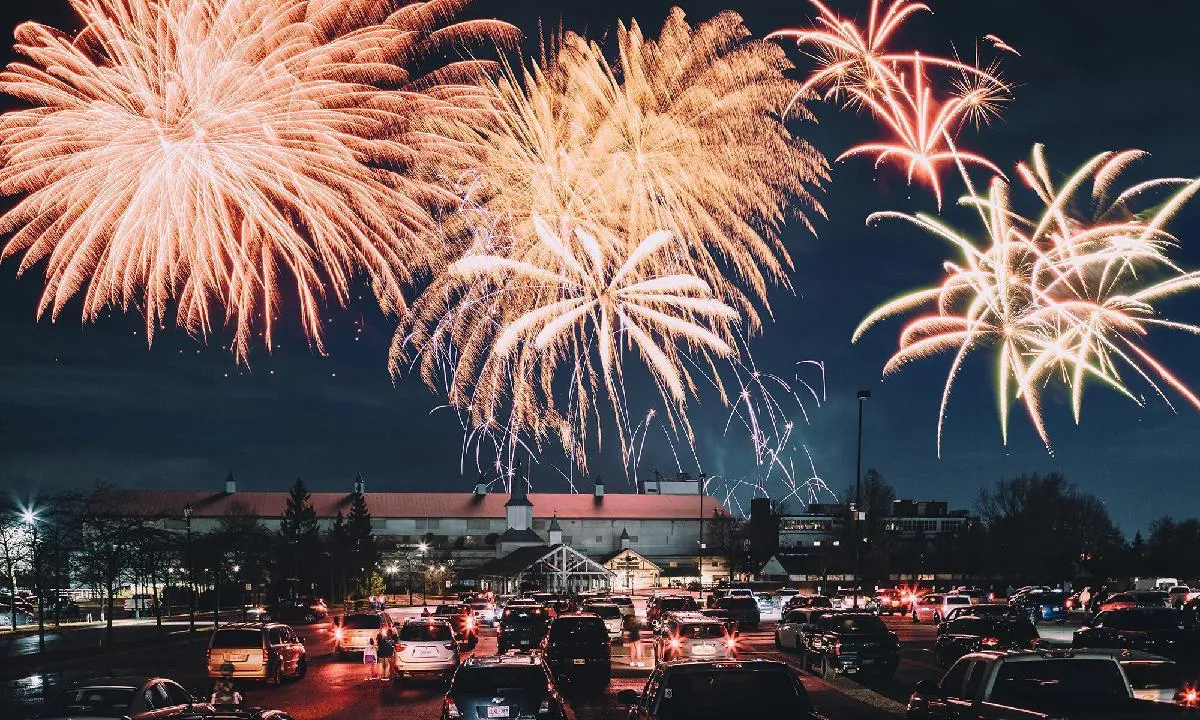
(356, 630)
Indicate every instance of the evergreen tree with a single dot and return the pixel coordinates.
(364, 553)
(339, 548)
(299, 542)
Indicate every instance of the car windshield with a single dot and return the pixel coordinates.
(449, 610)
(673, 604)
(489, 680)
(1058, 683)
(425, 632)
(1147, 620)
(105, 701)
(237, 639)
(958, 600)
(362, 622)
(527, 615)
(608, 612)
(620, 601)
(571, 629)
(740, 602)
(702, 630)
(721, 694)
(853, 623)
(1153, 675)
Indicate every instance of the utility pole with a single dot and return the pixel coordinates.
(31, 518)
(700, 541)
(187, 519)
(859, 514)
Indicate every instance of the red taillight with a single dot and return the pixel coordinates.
(731, 643)
(470, 623)
(837, 648)
(400, 647)
(990, 642)
(337, 633)
(1189, 697)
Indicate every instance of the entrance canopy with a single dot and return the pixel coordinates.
(556, 568)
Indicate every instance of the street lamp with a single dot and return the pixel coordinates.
(859, 514)
(187, 519)
(30, 518)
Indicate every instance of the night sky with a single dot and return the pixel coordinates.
(81, 404)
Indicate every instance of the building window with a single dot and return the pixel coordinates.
(478, 525)
(633, 538)
(599, 539)
(427, 523)
(378, 523)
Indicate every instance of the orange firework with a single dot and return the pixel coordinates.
(200, 152)
(1064, 297)
(855, 66)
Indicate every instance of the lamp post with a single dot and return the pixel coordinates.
(31, 519)
(421, 548)
(700, 541)
(191, 576)
(859, 515)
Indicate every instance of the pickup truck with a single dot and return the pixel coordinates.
(1033, 685)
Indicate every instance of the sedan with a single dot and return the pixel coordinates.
(505, 686)
(128, 698)
(956, 638)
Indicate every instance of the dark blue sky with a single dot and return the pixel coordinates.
(79, 404)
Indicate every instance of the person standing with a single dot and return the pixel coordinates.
(387, 650)
(371, 660)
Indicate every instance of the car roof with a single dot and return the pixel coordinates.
(756, 664)
(508, 660)
(1125, 655)
(250, 626)
(427, 619)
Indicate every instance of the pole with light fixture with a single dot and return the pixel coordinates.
(859, 515)
(31, 519)
(187, 520)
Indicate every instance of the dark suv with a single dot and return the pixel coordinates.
(503, 686)
(851, 643)
(659, 605)
(965, 634)
(522, 627)
(743, 609)
(577, 649)
(719, 690)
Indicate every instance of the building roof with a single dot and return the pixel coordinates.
(526, 536)
(613, 506)
(516, 561)
(554, 526)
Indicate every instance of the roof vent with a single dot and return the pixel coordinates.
(230, 484)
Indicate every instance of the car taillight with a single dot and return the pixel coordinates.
(990, 642)
(400, 647)
(1188, 696)
(675, 642)
(470, 623)
(731, 643)
(452, 709)
(544, 707)
(337, 633)
(449, 646)
(837, 647)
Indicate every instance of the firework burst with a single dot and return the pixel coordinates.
(209, 152)
(923, 114)
(1064, 298)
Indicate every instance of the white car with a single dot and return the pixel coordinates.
(426, 647)
(485, 612)
(691, 636)
(355, 631)
(628, 611)
(610, 613)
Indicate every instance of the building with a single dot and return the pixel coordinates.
(475, 527)
(683, 484)
(824, 523)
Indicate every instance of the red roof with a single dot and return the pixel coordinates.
(613, 506)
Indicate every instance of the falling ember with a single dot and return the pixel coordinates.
(1063, 298)
(206, 153)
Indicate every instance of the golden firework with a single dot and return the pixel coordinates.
(211, 152)
(1064, 297)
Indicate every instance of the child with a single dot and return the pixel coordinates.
(224, 692)
(370, 658)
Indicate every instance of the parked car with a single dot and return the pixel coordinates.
(522, 627)
(851, 643)
(267, 652)
(485, 612)
(791, 631)
(610, 613)
(1042, 606)
(8, 618)
(1135, 598)
(890, 602)
(462, 617)
(691, 636)
(425, 647)
(977, 595)
(1151, 677)
(1031, 685)
(577, 649)
(296, 611)
(981, 610)
(352, 633)
(1162, 631)
(659, 605)
(503, 686)
(934, 607)
(782, 595)
(719, 690)
(726, 618)
(126, 698)
(742, 607)
(766, 603)
(966, 634)
(1177, 595)
(628, 611)
(808, 601)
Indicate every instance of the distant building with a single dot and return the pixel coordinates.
(683, 484)
(825, 522)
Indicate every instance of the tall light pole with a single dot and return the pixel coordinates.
(187, 520)
(859, 514)
(421, 548)
(700, 540)
(30, 517)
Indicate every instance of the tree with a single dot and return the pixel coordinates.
(877, 498)
(299, 536)
(14, 554)
(364, 553)
(339, 549)
(109, 532)
(1171, 549)
(58, 542)
(1045, 530)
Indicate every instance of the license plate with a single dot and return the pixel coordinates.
(497, 712)
(524, 642)
(422, 652)
(704, 650)
(579, 661)
(240, 657)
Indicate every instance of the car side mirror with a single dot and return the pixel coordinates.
(928, 687)
(628, 697)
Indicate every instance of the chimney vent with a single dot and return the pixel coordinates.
(230, 484)
(598, 488)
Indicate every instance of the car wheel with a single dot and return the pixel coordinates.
(827, 672)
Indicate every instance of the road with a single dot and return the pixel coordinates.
(339, 690)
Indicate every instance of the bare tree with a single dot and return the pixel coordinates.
(14, 554)
(109, 534)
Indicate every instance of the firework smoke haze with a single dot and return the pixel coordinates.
(206, 153)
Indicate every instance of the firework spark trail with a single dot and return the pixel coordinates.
(1064, 297)
(668, 139)
(922, 114)
(200, 152)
